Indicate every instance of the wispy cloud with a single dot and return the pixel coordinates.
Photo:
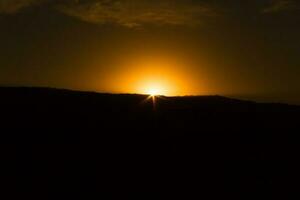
(133, 13)
(13, 6)
(280, 6)
(128, 13)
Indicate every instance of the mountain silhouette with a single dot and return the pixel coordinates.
(84, 145)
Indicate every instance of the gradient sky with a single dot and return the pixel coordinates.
(246, 48)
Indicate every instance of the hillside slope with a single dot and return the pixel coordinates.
(85, 145)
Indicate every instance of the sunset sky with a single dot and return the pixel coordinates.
(242, 48)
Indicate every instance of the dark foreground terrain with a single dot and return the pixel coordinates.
(58, 144)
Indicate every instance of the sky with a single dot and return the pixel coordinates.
(247, 49)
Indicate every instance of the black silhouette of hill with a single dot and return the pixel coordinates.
(84, 145)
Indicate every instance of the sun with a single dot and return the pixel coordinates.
(155, 88)
(152, 74)
(153, 92)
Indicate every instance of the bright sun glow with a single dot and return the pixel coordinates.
(154, 77)
(154, 92)
(155, 88)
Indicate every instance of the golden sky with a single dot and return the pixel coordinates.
(177, 47)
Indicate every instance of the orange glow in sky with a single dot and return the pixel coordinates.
(153, 77)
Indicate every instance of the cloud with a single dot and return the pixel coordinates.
(128, 13)
(13, 6)
(134, 13)
(280, 6)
